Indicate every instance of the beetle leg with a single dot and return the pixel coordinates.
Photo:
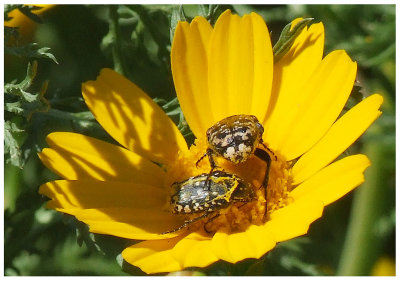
(209, 153)
(263, 155)
(266, 147)
(201, 158)
(245, 201)
(187, 223)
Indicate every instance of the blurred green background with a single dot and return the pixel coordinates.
(355, 236)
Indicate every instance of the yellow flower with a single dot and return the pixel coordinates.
(25, 25)
(218, 72)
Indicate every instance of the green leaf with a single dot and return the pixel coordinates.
(210, 12)
(176, 16)
(11, 146)
(203, 10)
(19, 105)
(84, 235)
(19, 89)
(30, 50)
(27, 103)
(14, 107)
(172, 108)
(287, 37)
(289, 258)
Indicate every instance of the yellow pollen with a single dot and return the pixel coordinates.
(239, 215)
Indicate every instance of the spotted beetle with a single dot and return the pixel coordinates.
(205, 194)
(236, 138)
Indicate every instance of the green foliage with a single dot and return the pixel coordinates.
(287, 37)
(19, 105)
(287, 258)
(176, 16)
(43, 96)
(25, 103)
(19, 101)
(31, 50)
(11, 145)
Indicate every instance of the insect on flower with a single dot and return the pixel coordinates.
(236, 138)
(205, 194)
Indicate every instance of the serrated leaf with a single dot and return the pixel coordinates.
(11, 146)
(19, 102)
(177, 15)
(42, 53)
(19, 90)
(83, 235)
(287, 37)
(210, 12)
(203, 10)
(26, 103)
(30, 50)
(14, 107)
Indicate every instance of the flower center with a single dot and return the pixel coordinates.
(238, 215)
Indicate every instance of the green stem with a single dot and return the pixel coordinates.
(362, 245)
(116, 49)
(79, 116)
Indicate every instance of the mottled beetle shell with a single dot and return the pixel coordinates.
(236, 137)
(209, 192)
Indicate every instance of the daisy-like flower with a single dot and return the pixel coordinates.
(218, 71)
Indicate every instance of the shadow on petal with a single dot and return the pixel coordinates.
(132, 118)
(74, 156)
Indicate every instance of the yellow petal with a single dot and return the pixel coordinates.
(132, 117)
(74, 156)
(26, 26)
(139, 223)
(318, 105)
(87, 194)
(240, 66)
(263, 68)
(153, 256)
(334, 181)
(339, 137)
(292, 71)
(130, 231)
(17, 18)
(252, 243)
(194, 250)
(294, 220)
(190, 72)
